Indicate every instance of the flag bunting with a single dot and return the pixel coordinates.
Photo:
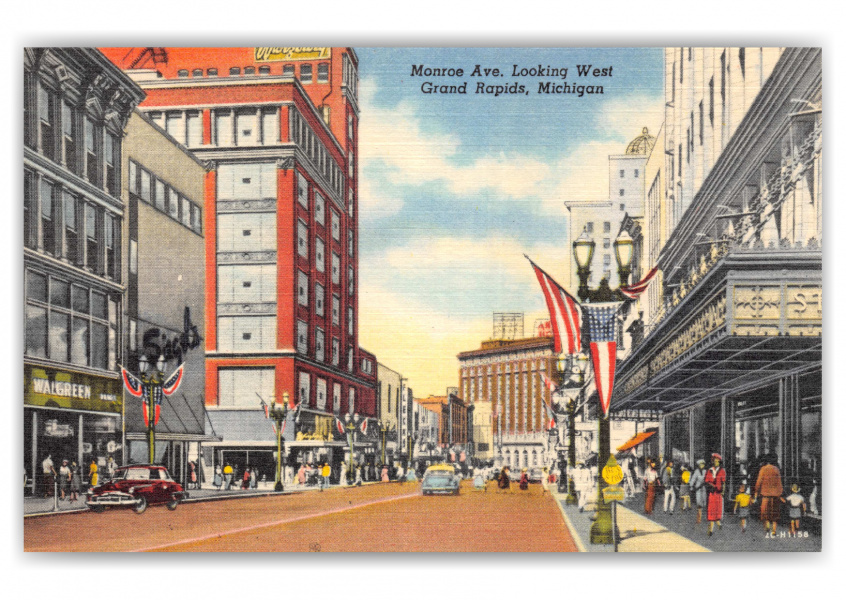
(602, 329)
(565, 313)
(636, 289)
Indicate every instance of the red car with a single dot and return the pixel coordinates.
(138, 486)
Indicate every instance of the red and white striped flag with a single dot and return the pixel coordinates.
(364, 427)
(550, 416)
(602, 328)
(548, 383)
(565, 313)
(636, 289)
(339, 425)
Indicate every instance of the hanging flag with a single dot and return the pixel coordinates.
(273, 424)
(565, 313)
(550, 416)
(364, 427)
(549, 383)
(602, 330)
(291, 405)
(173, 382)
(132, 384)
(157, 397)
(146, 413)
(636, 289)
(339, 425)
(266, 409)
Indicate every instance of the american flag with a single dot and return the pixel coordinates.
(132, 384)
(602, 330)
(636, 289)
(550, 416)
(565, 313)
(548, 383)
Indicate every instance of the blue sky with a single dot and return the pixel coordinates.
(455, 188)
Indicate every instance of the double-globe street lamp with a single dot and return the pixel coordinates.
(602, 530)
(278, 412)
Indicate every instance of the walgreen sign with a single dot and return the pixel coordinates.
(63, 389)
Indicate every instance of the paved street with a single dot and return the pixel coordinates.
(384, 517)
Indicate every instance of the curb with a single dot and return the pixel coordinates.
(557, 497)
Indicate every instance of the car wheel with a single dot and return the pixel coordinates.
(174, 502)
(140, 505)
(98, 509)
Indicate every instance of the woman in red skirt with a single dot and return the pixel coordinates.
(715, 481)
(650, 482)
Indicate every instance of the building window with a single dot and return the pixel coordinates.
(302, 190)
(323, 73)
(246, 127)
(269, 126)
(69, 137)
(238, 387)
(92, 238)
(302, 239)
(173, 204)
(223, 127)
(235, 70)
(622, 173)
(589, 226)
(287, 70)
(622, 192)
(336, 351)
(336, 398)
(622, 207)
(211, 72)
(302, 337)
(637, 173)
(48, 226)
(336, 268)
(246, 283)
(319, 208)
(606, 242)
(351, 280)
(350, 321)
(321, 394)
(182, 73)
(197, 73)
(336, 226)
(302, 288)
(92, 163)
(47, 121)
(350, 243)
(246, 232)
(264, 70)
(336, 310)
(350, 202)
(71, 238)
(351, 407)
(606, 227)
(319, 340)
(249, 70)
(305, 73)
(350, 358)
(319, 255)
(133, 257)
(194, 125)
(246, 334)
(305, 388)
(319, 299)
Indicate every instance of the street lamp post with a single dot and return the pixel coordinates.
(152, 380)
(351, 423)
(602, 530)
(571, 376)
(278, 413)
(383, 429)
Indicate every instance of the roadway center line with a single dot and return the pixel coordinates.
(273, 523)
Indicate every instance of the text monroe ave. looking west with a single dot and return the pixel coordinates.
(577, 80)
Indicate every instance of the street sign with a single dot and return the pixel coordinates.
(613, 493)
(611, 472)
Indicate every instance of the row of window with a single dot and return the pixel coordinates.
(64, 225)
(289, 70)
(303, 135)
(606, 226)
(70, 322)
(70, 136)
(156, 192)
(242, 388)
(623, 173)
(320, 345)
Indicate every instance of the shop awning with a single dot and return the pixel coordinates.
(636, 440)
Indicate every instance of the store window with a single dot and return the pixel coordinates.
(756, 431)
(677, 437)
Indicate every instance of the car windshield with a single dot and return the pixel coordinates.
(437, 477)
(141, 473)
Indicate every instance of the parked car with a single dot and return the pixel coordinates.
(137, 486)
(440, 479)
(535, 475)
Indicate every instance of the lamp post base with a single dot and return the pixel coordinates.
(571, 499)
(278, 487)
(603, 531)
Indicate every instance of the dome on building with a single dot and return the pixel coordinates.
(642, 144)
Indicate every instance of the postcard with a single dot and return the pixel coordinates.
(300, 299)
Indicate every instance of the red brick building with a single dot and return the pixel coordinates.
(278, 129)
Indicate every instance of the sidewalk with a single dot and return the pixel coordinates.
(39, 506)
(678, 532)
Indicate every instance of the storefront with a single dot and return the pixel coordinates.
(69, 415)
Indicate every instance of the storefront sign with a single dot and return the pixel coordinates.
(61, 389)
(274, 54)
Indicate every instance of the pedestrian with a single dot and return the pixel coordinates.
(75, 481)
(400, 474)
(715, 480)
(795, 507)
(49, 473)
(358, 470)
(218, 477)
(245, 480)
(504, 480)
(524, 480)
(343, 480)
(289, 474)
(64, 479)
(582, 484)
(741, 506)
(697, 486)
(650, 483)
(668, 480)
(325, 474)
(385, 474)
(227, 476)
(110, 467)
(301, 474)
(769, 487)
(253, 478)
(93, 475)
(192, 475)
(545, 477)
(684, 488)
(411, 475)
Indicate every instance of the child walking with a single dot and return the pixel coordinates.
(796, 506)
(741, 502)
(684, 489)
